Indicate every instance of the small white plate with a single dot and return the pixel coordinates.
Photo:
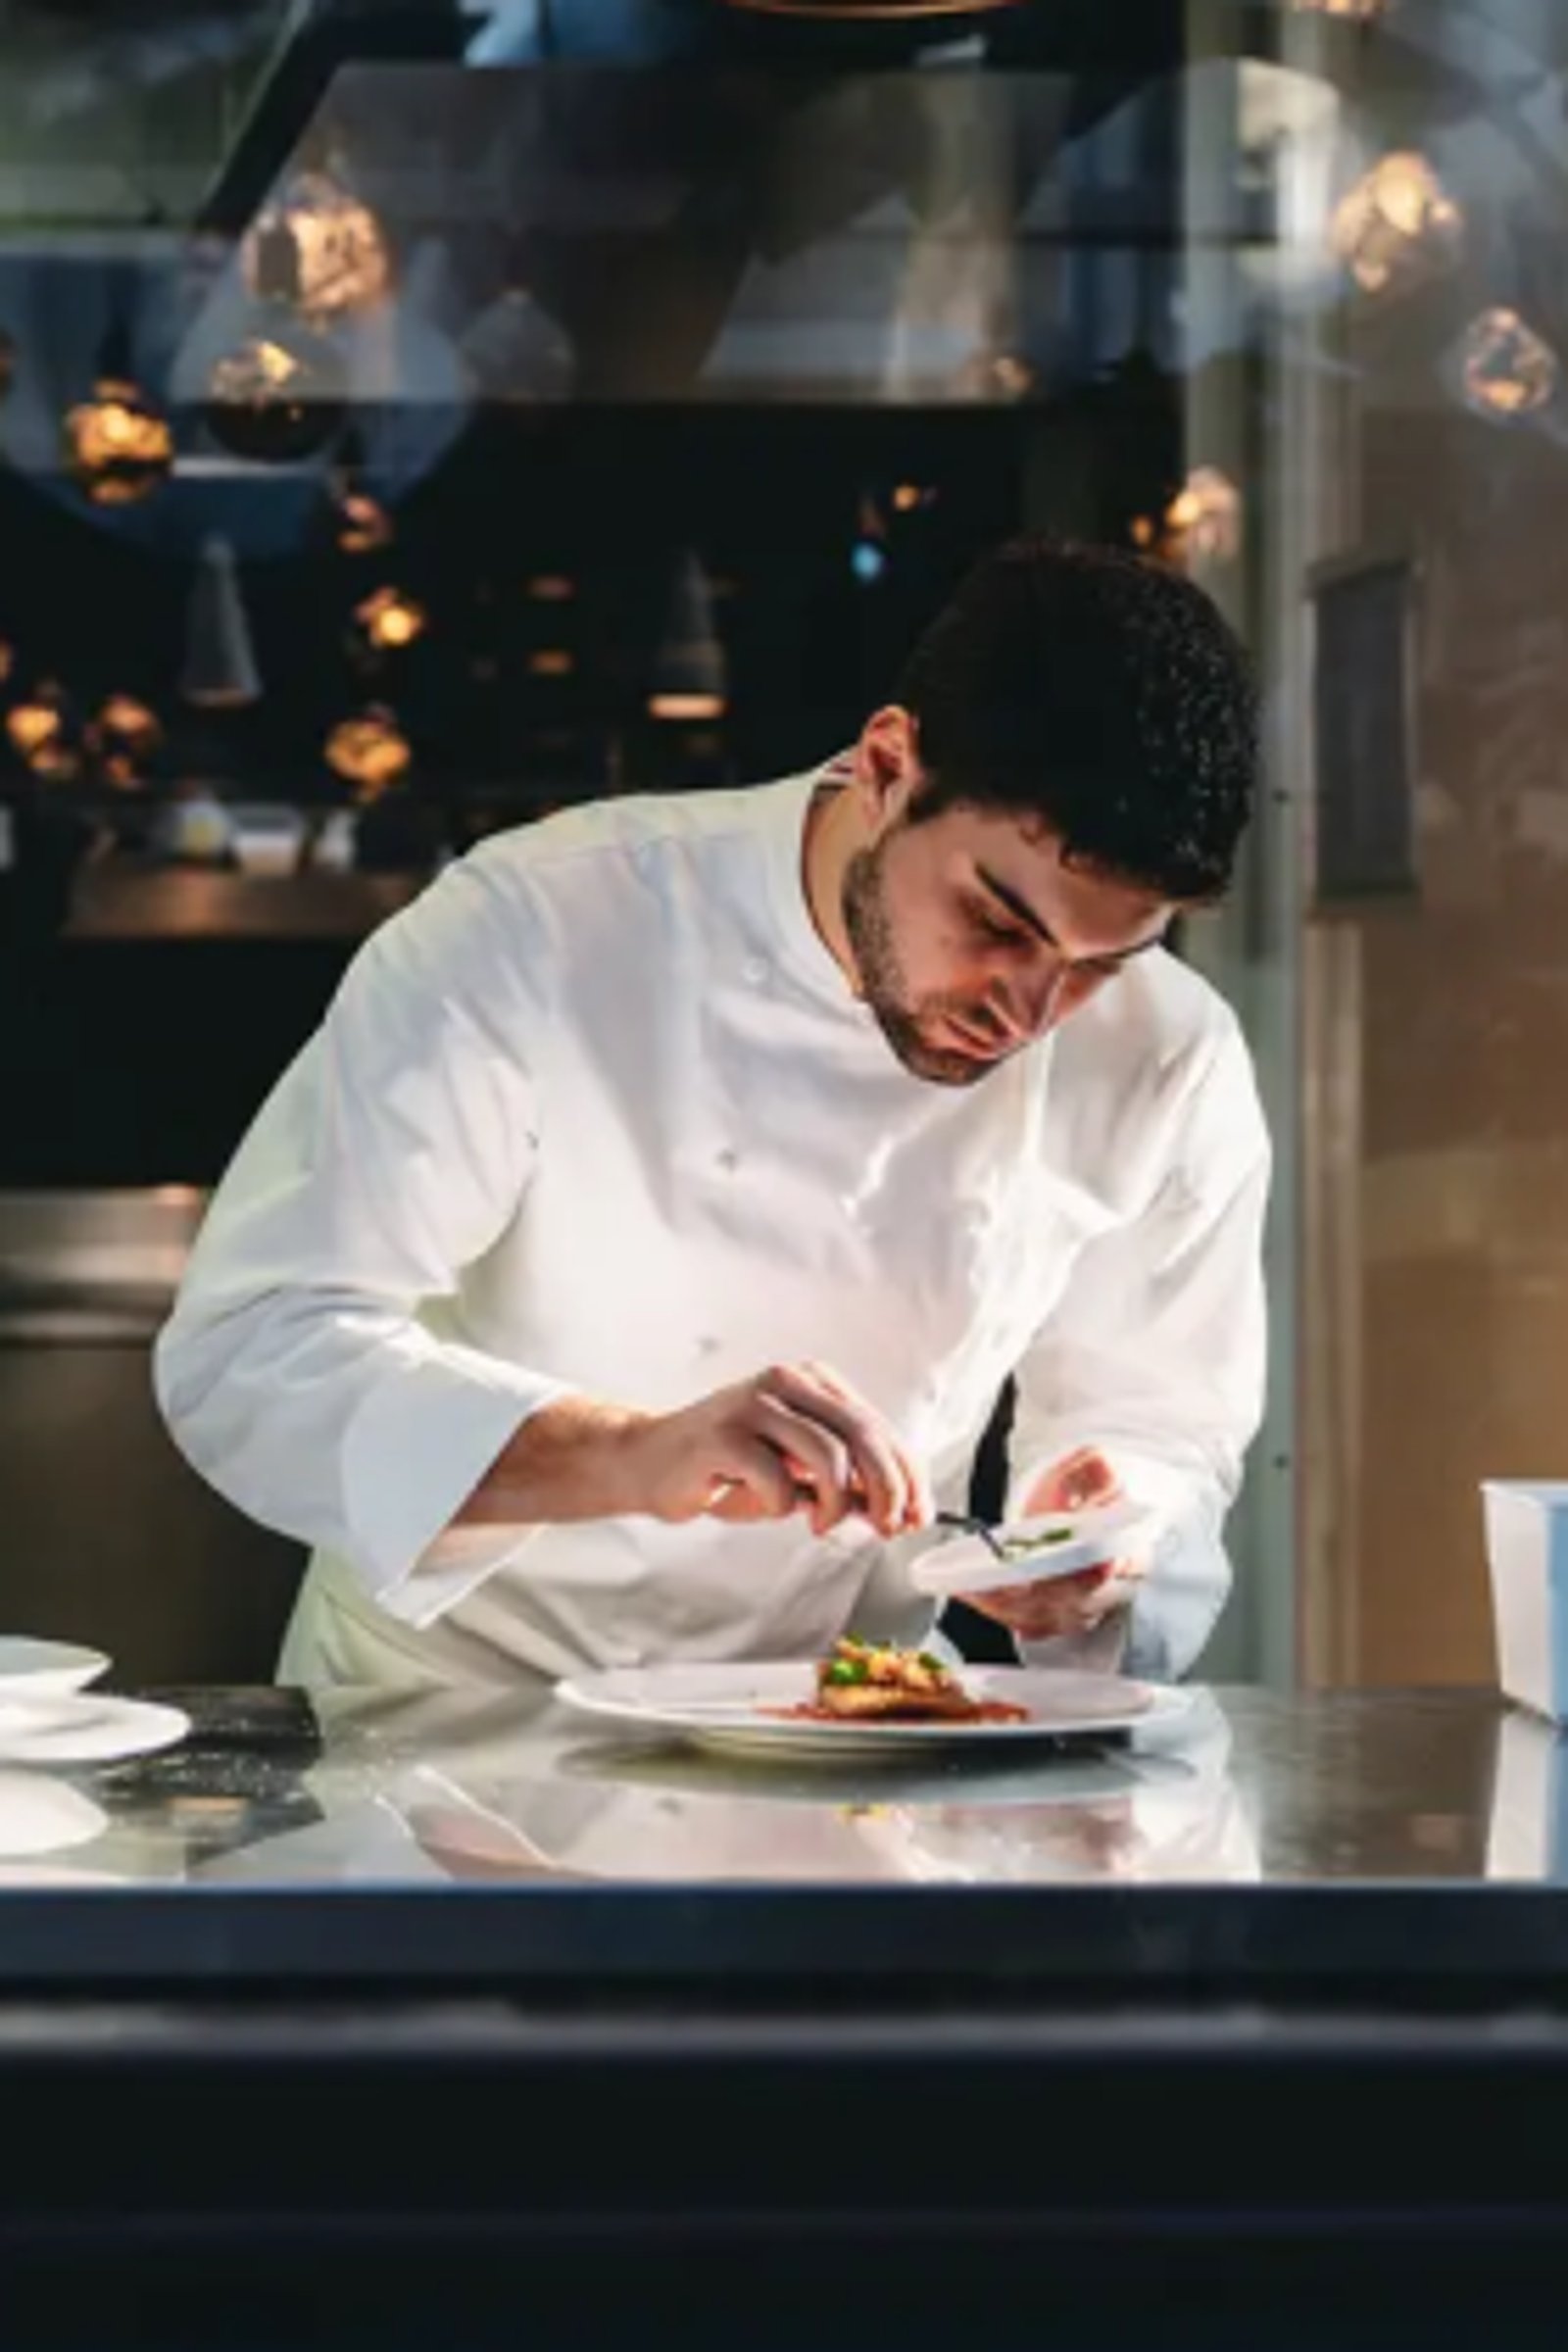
(29, 1665)
(81, 1728)
(728, 1706)
(1076, 1540)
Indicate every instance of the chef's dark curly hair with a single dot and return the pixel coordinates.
(1102, 693)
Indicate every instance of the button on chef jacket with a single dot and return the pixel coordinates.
(599, 1112)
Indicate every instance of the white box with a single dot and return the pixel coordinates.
(1527, 1554)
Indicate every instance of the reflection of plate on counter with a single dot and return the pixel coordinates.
(52, 1874)
(749, 1708)
(1038, 1777)
(42, 1815)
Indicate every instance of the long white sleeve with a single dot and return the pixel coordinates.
(303, 1372)
(1156, 1353)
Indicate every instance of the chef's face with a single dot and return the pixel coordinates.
(971, 938)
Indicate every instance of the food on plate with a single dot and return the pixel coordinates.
(1022, 1547)
(863, 1682)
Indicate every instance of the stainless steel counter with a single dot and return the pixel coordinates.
(451, 1998)
(356, 1790)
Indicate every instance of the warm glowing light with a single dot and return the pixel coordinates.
(37, 727)
(1205, 516)
(275, 400)
(362, 524)
(1359, 12)
(1203, 523)
(8, 660)
(1397, 226)
(1009, 375)
(321, 250)
(259, 369)
(370, 752)
(390, 619)
(119, 447)
(686, 705)
(551, 662)
(1508, 369)
(551, 588)
(130, 725)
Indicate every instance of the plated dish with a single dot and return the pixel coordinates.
(1026, 1552)
(829, 1707)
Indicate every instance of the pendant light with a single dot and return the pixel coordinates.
(690, 675)
(220, 671)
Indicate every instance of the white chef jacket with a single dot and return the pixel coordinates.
(600, 1113)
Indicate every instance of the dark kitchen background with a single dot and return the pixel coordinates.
(415, 416)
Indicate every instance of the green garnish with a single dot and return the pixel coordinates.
(847, 1670)
(1017, 1548)
(932, 1665)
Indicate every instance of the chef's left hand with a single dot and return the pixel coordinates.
(1066, 1604)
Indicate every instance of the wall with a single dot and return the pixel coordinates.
(1449, 1343)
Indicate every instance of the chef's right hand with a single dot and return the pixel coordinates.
(795, 1437)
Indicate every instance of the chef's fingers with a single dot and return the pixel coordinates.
(1037, 1612)
(1082, 1479)
(818, 1459)
(920, 1502)
(751, 1479)
(876, 1457)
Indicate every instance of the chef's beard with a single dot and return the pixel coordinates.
(912, 1026)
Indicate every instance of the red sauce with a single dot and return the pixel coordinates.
(978, 1710)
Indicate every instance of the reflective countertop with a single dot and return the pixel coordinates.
(280, 1789)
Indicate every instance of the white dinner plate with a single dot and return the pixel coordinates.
(28, 1665)
(80, 1727)
(729, 1706)
(1067, 1540)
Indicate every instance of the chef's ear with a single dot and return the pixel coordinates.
(887, 765)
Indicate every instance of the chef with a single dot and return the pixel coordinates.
(628, 1267)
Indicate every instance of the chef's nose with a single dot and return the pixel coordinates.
(1027, 1004)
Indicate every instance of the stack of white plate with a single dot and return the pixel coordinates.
(50, 1715)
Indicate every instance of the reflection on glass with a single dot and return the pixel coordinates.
(117, 446)
(1203, 524)
(1397, 226)
(362, 526)
(1360, 12)
(275, 400)
(319, 250)
(1508, 369)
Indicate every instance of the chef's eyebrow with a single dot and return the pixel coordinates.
(1025, 914)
